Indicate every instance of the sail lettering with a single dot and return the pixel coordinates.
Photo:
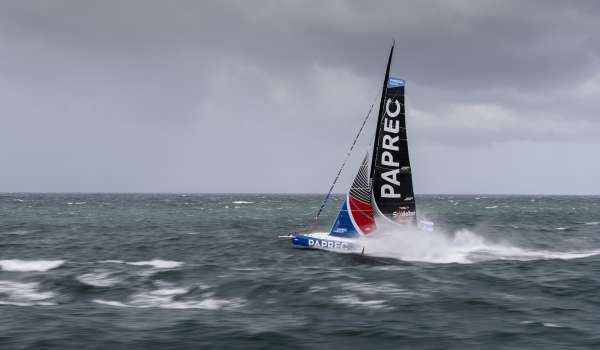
(387, 108)
(387, 191)
(391, 127)
(388, 160)
(388, 142)
(390, 176)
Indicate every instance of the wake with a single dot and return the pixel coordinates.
(463, 247)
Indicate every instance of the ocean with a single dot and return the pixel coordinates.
(195, 271)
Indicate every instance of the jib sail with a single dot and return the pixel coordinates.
(393, 193)
(356, 214)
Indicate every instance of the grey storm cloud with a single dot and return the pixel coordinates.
(265, 96)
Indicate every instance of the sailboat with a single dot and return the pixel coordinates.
(382, 192)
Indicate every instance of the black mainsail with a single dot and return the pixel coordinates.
(393, 194)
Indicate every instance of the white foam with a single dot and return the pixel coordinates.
(317, 289)
(492, 207)
(372, 288)
(23, 294)
(29, 265)
(353, 300)
(110, 303)
(242, 202)
(592, 223)
(157, 263)
(561, 228)
(206, 304)
(463, 246)
(112, 262)
(170, 291)
(98, 279)
(165, 299)
(18, 232)
(552, 325)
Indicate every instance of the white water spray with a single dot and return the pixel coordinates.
(462, 247)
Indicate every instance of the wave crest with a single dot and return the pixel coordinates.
(17, 265)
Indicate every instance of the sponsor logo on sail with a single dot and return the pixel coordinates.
(390, 137)
(394, 83)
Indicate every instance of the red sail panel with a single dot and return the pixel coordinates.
(362, 213)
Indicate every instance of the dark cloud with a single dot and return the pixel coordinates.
(265, 96)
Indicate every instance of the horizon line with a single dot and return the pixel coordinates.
(294, 193)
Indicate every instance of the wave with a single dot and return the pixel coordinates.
(545, 324)
(461, 247)
(29, 265)
(157, 263)
(18, 232)
(354, 301)
(376, 288)
(242, 202)
(166, 298)
(110, 303)
(99, 279)
(23, 294)
(206, 304)
(592, 223)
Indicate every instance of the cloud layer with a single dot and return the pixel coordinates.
(237, 96)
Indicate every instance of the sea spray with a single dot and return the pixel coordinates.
(463, 246)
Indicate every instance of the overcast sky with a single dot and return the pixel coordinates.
(266, 96)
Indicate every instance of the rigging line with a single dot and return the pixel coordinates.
(343, 164)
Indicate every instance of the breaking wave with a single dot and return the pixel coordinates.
(23, 294)
(99, 279)
(355, 301)
(172, 297)
(29, 265)
(156, 263)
